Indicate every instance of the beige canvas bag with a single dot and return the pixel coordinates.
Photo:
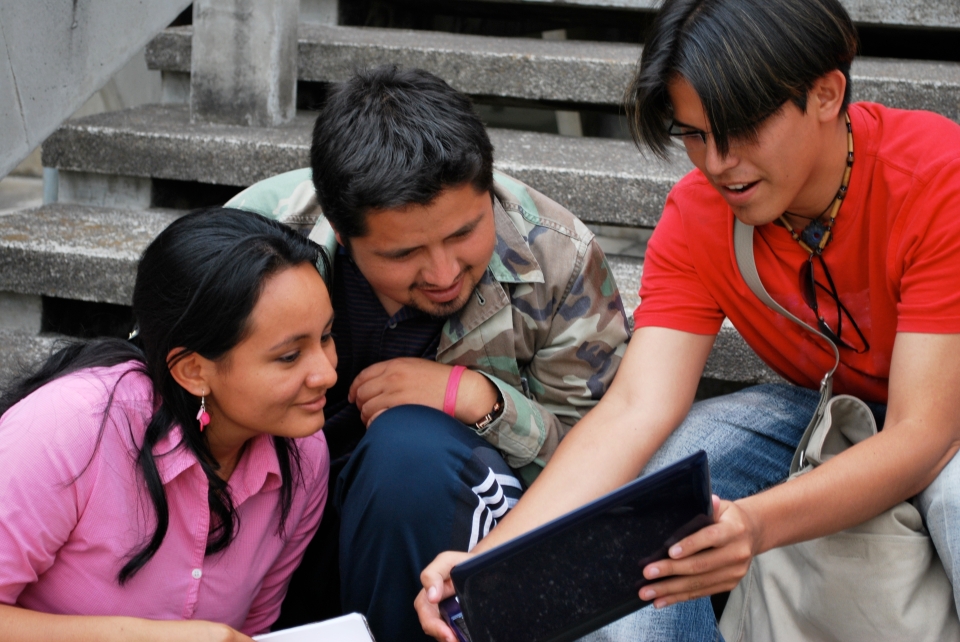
(880, 580)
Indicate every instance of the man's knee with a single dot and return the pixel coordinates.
(409, 456)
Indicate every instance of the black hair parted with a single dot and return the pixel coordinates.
(197, 284)
(391, 137)
(744, 58)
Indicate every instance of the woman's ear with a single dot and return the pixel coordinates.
(828, 92)
(192, 372)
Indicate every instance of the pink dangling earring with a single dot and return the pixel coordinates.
(203, 416)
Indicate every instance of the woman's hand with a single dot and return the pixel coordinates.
(436, 587)
(23, 625)
(199, 631)
(712, 560)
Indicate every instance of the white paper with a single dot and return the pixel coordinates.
(349, 628)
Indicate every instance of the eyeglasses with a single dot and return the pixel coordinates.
(809, 286)
(695, 140)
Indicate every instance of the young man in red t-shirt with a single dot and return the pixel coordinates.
(758, 93)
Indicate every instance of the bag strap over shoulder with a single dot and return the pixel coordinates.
(743, 248)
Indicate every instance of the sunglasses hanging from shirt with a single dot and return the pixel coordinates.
(814, 238)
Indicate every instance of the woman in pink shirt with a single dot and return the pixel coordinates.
(165, 488)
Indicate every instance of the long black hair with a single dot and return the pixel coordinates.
(197, 284)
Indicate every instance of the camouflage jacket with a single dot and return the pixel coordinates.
(545, 324)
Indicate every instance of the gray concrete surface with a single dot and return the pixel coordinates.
(602, 181)
(20, 312)
(627, 271)
(175, 88)
(568, 71)
(909, 84)
(514, 67)
(319, 12)
(20, 192)
(76, 252)
(565, 71)
(87, 188)
(244, 62)
(912, 13)
(54, 55)
(160, 141)
(21, 350)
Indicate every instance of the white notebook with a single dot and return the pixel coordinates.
(348, 628)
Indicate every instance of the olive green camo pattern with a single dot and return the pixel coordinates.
(546, 323)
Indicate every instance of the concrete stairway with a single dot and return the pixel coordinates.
(117, 171)
(908, 13)
(557, 71)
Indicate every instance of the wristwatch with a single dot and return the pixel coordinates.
(493, 415)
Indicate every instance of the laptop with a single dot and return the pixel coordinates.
(583, 570)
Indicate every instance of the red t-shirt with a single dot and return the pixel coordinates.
(894, 257)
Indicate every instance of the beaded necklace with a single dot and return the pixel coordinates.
(816, 235)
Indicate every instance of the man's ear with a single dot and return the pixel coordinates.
(827, 94)
(192, 372)
(336, 235)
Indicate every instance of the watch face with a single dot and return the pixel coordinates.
(490, 417)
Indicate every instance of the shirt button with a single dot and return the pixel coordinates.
(392, 325)
(197, 574)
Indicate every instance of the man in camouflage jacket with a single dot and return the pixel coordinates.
(544, 325)
(550, 331)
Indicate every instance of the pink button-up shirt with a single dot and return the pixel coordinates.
(73, 509)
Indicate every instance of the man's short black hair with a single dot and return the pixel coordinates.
(390, 137)
(744, 58)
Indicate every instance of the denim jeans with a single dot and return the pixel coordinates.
(750, 437)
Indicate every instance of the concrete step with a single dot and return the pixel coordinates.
(529, 69)
(523, 68)
(91, 253)
(937, 14)
(76, 252)
(602, 181)
(21, 350)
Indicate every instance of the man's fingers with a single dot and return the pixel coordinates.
(367, 392)
(430, 620)
(716, 535)
(367, 374)
(435, 578)
(371, 409)
(735, 556)
(683, 588)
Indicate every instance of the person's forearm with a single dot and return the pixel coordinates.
(851, 488)
(920, 436)
(22, 625)
(613, 442)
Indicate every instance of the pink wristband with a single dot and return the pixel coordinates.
(453, 384)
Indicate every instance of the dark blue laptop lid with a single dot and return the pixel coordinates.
(584, 569)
